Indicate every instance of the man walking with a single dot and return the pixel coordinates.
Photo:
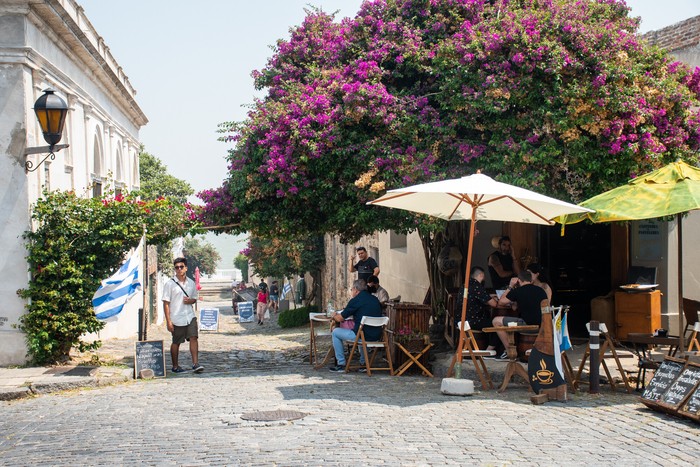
(179, 294)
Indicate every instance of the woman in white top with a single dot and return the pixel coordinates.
(539, 279)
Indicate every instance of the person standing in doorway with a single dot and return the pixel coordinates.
(365, 267)
(502, 265)
(179, 294)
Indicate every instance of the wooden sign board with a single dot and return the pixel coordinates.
(691, 407)
(245, 312)
(209, 319)
(149, 354)
(664, 377)
(682, 388)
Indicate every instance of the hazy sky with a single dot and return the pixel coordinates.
(190, 63)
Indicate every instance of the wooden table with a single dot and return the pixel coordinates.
(514, 367)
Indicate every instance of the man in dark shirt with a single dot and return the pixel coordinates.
(365, 267)
(361, 304)
(527, 298)
(502, 266)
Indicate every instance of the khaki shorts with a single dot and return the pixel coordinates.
(185, 333)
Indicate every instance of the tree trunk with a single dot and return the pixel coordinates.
(455, 234)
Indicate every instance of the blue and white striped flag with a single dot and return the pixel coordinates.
(110, 298)
(286, 289)
(562, 329)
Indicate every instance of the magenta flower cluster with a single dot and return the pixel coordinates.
(410, 91)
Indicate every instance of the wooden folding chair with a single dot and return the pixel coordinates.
(606, 346)
(360, 340)
(471, 349)
(691, 311)
(319, 325)
(693, 341)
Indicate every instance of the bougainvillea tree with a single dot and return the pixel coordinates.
(558, 96)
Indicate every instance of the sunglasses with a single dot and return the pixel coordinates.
(180, 267)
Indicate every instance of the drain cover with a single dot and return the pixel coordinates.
(273, 415)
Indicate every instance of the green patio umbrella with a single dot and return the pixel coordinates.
(671, 190)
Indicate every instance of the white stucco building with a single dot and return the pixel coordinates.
(50, 43)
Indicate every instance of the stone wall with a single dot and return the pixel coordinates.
(682, 35)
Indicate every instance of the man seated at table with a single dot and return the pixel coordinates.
(527, 298)
(377, 290)
(361, 304)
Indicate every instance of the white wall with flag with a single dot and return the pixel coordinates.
(119, 298)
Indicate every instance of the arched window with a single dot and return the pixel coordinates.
(97, 166)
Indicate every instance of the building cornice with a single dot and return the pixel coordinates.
(68, 21)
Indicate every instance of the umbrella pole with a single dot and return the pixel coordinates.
(681, 314)
(462, 331)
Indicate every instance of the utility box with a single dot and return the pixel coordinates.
(603, 310)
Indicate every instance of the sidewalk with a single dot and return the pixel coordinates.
(235, 347)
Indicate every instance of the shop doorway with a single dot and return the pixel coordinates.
(579, 265)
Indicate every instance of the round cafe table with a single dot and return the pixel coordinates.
(513, 366)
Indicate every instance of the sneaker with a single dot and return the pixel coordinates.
(503, 357)
(197, 368)
(362, 370)
(178, 369)
(337, 369)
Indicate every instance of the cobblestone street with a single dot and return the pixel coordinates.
(348, 419)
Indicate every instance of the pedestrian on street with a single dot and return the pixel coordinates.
(263, 298)
(179, 294)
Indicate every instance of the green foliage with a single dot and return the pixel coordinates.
(296, 317)
(76, 243)
(200, 255)
(157, 182)
(289, 257)
(241, 263)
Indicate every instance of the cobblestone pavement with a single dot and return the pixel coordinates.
(348, 419)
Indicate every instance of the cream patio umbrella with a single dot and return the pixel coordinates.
(477, 197)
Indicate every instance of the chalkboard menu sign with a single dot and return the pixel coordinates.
(209, 319)
(663, 379)
(692, 407)
(682, 387)
(149, 354)
(245, 312)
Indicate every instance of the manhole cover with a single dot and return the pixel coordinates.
(273, 415)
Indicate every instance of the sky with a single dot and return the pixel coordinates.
(190, 63)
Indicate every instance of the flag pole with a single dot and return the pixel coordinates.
(144, 288)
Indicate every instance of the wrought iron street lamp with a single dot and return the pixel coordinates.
(51, 112)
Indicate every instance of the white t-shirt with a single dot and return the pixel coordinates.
(180, 314)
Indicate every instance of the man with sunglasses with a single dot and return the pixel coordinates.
(179, 294)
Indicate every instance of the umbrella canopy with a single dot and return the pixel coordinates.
(671, 190)
(476, 197)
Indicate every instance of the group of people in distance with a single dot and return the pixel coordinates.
(267, 300)
(524, 291)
